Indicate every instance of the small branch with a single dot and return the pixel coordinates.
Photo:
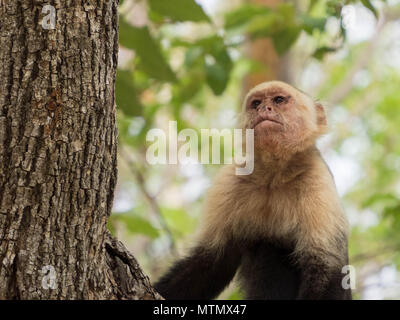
(129, 281)
(369, 255)
(345, 87)
(155, 208)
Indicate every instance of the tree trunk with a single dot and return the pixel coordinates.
(262, 50)
(58, 164)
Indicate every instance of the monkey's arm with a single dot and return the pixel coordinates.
(322, 245)
(203, 274)
(320, 280)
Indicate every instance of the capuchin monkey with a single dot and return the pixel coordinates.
(282, 227)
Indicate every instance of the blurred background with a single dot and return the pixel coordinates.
(192, 61)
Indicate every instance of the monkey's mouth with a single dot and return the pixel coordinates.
(267, 120)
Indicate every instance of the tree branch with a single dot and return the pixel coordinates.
(129, 282)
(150, 199)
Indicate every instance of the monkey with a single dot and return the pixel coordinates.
(281, 229)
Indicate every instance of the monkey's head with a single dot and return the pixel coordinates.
(285, 120)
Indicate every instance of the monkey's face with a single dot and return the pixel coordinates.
(284, 119)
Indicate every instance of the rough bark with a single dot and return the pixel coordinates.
(58, 164)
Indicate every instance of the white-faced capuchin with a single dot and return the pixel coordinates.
(282, 228)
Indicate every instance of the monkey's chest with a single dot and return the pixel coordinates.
(269, 214)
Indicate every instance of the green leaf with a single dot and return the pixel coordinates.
(156, 17)
(369, 5)
(137, 225)
(287, 12)
(393, 213)
(244, 15)
(281, 25)
(152, 60)
(179, 220)
(193, 55)
(179, 10)
(385, 198)
(311, 5)
(125, 94)
(320, 52)
(284, 39)
(211, 55)
(311, 23)
(188, 87)
(263, 26)
(218, 63)
(217, 77)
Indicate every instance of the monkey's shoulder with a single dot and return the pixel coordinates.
(233, 196)
(304, 176)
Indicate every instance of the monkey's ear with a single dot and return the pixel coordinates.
(321, 115)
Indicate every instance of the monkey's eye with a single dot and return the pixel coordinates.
(255, 103)
(279, 99)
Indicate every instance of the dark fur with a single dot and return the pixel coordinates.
(201, 275)
(267, 271)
